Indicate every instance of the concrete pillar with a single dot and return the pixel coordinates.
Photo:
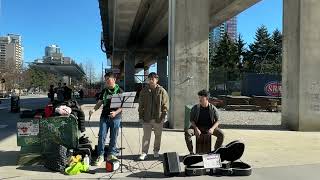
(146, 72)
(162, 71)
(129, 71)
(301, 77)
(188, 55)
(67, 80)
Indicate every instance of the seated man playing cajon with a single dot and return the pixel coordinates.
(204, 120)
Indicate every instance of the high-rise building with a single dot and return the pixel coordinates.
(66, 60)
(229, 27)
(3, 51)
(52, 50)
(53, 55)
(11, 52)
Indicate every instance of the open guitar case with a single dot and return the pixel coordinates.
(231, 165)
(194, 165)
(229, 155)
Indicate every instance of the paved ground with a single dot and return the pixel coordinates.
(274, 154)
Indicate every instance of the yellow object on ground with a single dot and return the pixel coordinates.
(76, 168)
(75, 159)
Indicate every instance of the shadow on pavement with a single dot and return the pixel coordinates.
(134, 157)
(9, 158)
(124, 124)
(147, 174)
(252, 127)
(222, 126)
(10, 121)
(38, 168)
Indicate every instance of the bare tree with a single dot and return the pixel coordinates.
(90, 72)
(11, 75)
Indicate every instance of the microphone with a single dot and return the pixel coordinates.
(189, 78)
(186, 80)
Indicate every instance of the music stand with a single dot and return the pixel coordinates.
(124, 100)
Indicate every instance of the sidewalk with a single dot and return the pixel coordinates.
(273, 154)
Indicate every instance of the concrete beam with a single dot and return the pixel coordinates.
(141, 14)
(224, 10)
(156, 10)
(150, 13)
(143, 50)
(159, 27)
(158, 32)
(148, 59)
(116, 59)
(125, 12)
(106, 14)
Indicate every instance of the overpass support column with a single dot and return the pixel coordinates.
(162, 71)
(301, 75)
(146, 72)
(129, 71)
(188, 55)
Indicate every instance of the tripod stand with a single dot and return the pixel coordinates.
(124, 100)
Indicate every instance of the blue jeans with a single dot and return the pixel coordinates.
(114, 125)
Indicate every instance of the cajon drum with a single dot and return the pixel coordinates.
(203, 144)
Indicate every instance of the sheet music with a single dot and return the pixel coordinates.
(116, 101)
(129, 94)
(211, 161)
(126, 99)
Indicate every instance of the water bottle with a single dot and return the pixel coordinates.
(86, 160)
(70, 153)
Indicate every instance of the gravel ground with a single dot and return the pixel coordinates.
(250, 117)
(131, 114)
(226, 117)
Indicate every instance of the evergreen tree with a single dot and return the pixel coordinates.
(259, 50)
(273, 58)
(241, 52)
(35, 78)
(277, 50)
(225, 60)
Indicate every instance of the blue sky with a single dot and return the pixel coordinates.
(75, 25)
(266, 12)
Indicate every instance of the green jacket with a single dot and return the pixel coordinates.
(195, 111)
(153, 104)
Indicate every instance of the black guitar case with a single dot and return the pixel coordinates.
(194, 165)
(229, 155)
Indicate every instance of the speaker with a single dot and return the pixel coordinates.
(112, 165)
(171, 164)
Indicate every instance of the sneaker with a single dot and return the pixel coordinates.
(156, 154)
(112, 157)
(142, 156)
(99, 161)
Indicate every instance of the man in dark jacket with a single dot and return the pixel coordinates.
(60, 92)
(51, 93)
(153, 108)
(67, 92)
(204, 120)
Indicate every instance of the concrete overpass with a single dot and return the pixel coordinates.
(137, 33)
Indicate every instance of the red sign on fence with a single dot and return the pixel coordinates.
(273, 89)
